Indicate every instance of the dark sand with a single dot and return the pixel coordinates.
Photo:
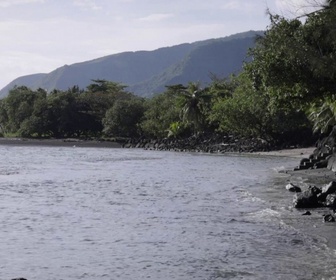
(59, 143)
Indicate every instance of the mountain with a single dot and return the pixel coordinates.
(148, 72)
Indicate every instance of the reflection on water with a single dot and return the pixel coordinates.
(84, 213)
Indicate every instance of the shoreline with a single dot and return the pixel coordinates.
(68, 142)
(293, 153)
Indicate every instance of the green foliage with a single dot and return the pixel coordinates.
(295, 61)
(160, 112)
(194, 104)
(249, 113)
(323, 115)
(177, 129)
(123, 118)
(244, 113)
(18, 106)
(105, 87)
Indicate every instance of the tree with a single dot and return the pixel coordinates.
(295, 61)
(105, 86)
(19, 106)
(123, 118)
(161, 111)
(193, 103)
(249, 113)
(323, 115)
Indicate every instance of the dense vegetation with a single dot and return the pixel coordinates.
(287, 90)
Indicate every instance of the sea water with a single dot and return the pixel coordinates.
(94, 213)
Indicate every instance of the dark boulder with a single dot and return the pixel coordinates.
(322, 197)
(332, 163)
(292, 188)
(328, 218)
(321, 164)
(307, 199)
(331, 200)
(304, 160)
(315, 190)
(307, 213)
(20, 278)
(329, 188)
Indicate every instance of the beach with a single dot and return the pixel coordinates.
(68, 142)
(295, 153)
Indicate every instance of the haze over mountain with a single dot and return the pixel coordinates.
(148, 72)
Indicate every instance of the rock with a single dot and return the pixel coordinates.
(304, 160)
(307, 213)
(332, 163)
(331, 200)
(292, 188)
(20, 278)
(328, 218)
(315, 190)
(306, 199)
(329, 188)
(322, 197)
(321, 164)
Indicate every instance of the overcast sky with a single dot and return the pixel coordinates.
(37, 36)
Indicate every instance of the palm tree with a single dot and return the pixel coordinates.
(323, 116)
(193, 101)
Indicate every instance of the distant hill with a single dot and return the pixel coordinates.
(148, 72)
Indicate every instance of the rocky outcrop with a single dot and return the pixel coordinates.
(323, 156)
(203, 143)
(307, 198)
(316, 197)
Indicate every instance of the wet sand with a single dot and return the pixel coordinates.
(296, 153)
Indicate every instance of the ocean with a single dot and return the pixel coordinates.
(71, 213)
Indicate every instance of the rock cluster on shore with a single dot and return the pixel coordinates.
(314, 197)
(203, 143)
(324, 156)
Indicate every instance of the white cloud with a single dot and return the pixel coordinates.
(8, 3)
(231, 5)
(298, 7)
(156, 17)
(19, 63)
(241, 6)
(87, 4)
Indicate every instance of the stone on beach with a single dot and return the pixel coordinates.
(329, 188)
(307, 198)
(331, 200)
(328, 218)
(292, 188)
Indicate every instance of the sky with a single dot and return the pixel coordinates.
(38, 36)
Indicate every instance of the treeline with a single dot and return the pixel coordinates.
(286, 90)
(106, 109)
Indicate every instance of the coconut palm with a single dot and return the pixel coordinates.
(323, 116)
(193, 101)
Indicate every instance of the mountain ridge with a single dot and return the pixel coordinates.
(148, 72)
